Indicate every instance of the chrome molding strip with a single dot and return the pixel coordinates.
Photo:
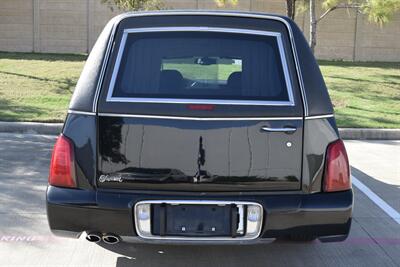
(198, 118)
(197, 202)
(319, 117)
(71, 111)
(204, 13)
(122, 48)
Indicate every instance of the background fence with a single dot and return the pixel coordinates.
(72, 26)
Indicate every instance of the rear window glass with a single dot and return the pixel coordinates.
(200, 65)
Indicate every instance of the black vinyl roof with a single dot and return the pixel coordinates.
(315, 96)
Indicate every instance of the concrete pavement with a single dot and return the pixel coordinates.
(26, 241)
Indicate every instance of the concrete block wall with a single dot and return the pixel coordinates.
(348, 35)
(99, 15)
(16, 29)
(63, 26)
(335, 34)
(72, 26)
(378, 44)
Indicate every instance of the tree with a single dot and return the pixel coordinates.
(378, 11)
(135, 5)
(291, 9)
(290, 6)
(222, 3)
(139, 5)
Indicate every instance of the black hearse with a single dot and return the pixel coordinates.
(200, 126)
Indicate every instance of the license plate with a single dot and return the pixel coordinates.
(194, 220)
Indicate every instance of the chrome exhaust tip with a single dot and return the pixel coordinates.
(111, 239)
(94, 237)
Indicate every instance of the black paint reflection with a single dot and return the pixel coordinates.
(198, 155)
(111, 140)
(201, 160)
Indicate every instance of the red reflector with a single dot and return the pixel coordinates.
(62, 165)
(201, 107)
(337, 169)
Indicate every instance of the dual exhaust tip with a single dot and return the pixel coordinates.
(96, 237)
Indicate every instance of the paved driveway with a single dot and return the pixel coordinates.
(26, 241)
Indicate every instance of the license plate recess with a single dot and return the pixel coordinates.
(195, 220)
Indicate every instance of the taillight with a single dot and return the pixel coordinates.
(337, 169)
(62, 165)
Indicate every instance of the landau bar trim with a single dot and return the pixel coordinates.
(320, 117)
(81, 112)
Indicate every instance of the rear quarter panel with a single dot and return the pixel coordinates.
(81, 129)
(318, 134)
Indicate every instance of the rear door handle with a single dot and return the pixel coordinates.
(278, 130)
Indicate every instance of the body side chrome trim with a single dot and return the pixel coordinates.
(71, 111)
(195, 118)
(205, 13)
(198, 118)
(198, 202)
(122, 48)
(320, 117)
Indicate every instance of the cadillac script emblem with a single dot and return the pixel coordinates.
(110, 178)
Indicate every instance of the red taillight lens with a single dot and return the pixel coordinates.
(62, 165)
(337, 169)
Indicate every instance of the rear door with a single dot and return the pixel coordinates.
(200, 109)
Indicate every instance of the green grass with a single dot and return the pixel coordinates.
(204, 72)
(364, 94)
(37, 87)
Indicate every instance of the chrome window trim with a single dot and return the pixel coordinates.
(199, 101)
(199, 118)
(166, 100)
(202, 29)
(205, 13)
(198, 202)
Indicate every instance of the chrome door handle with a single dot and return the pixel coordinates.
(278, 130)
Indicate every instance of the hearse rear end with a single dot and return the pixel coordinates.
(200, 126)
